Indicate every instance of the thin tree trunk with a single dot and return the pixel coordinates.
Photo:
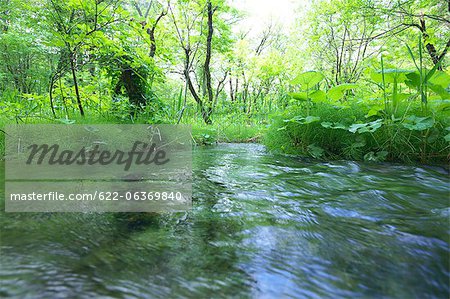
(151, 33)
(75, 83)
(231, 90)
(206, 67)
(205, 114)
(50, 93)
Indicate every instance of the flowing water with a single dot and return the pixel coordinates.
(262, 226)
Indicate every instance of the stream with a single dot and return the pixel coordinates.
(262, 226)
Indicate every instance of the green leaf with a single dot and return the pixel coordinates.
(390, 75)
(338, 92)
(311, 119)
(441, 105)
(315, 151)
(355, 127)
(431, 73)
(304, 120)
(415, 123)
(441, 79)
(401, 96)
(372, 127)
(326, 124)
(413, 80)
(447, 137)
(374, 110)
(433, 135)
(437, 81)
(308, 79)
(443, 93)
(334, 126)
(366, 127)
(318, 96)
(378, 157)
(299, 96)
(412, 55)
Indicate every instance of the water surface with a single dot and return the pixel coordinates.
(262, 226)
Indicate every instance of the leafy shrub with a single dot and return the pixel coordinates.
(346, 133)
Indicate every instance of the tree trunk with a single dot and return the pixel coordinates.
(151, 34)
(134, 84)
(431, 49)
(233, 99)
(205, 114)
(52, 82)
(206, 67)
(75, 82)
(206, 107)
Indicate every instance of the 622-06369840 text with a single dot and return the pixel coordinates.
(102, 196)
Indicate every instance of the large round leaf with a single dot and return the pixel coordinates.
(337, 92)
(318, 96)
(304, 120)
(366, 127)
(390, 75)
(334, 126)
(415, 123)
(308, 79)
(299, 96)
(413, 80)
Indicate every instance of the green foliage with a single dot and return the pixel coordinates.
(228, 128)
(343, 134)
(308, 79)
(338, 92)
(370, 96)
(393, 133)
(415, 123)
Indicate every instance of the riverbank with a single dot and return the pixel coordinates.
(223, 130)
(326, 137)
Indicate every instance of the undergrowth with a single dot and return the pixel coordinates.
(346, 133)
